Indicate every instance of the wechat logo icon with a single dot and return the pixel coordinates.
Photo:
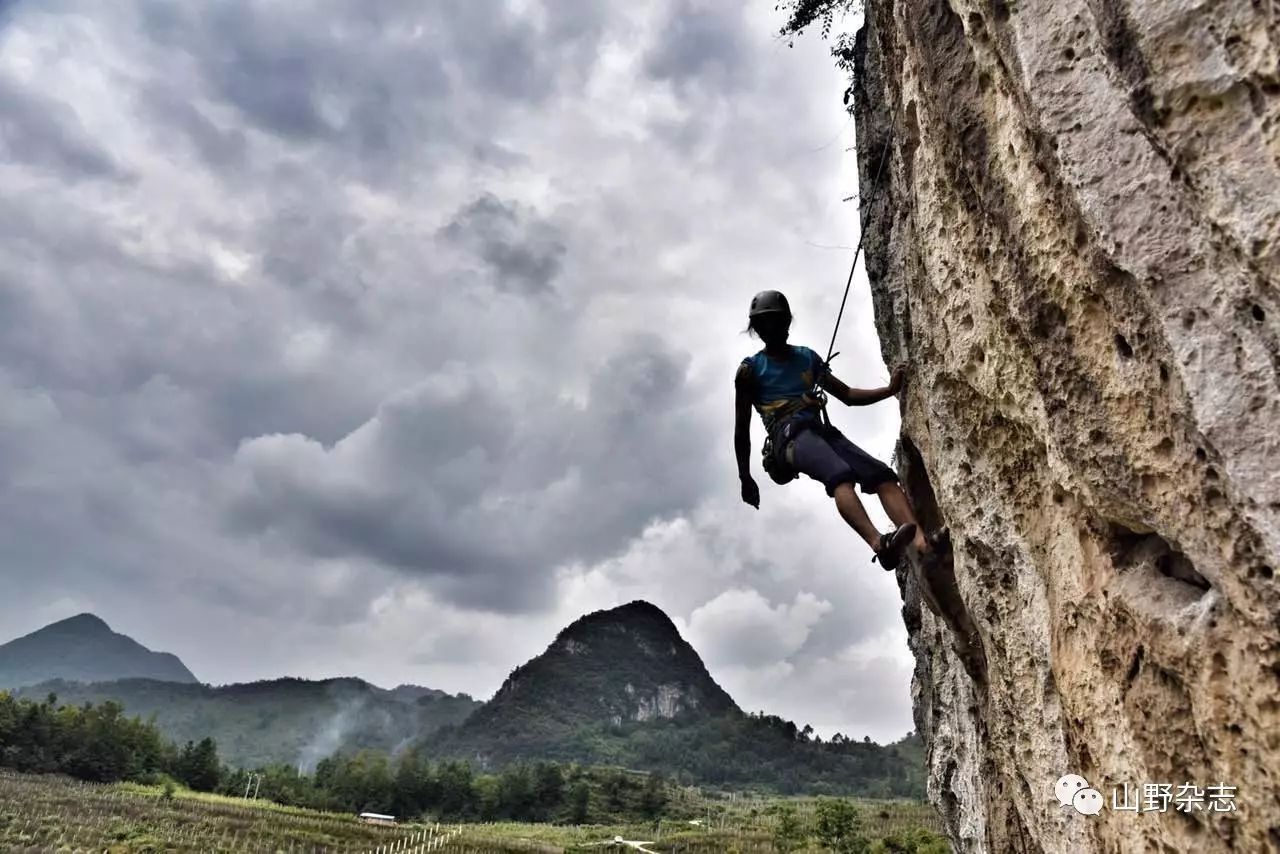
(1072, 790)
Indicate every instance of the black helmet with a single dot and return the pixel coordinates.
(769, 302)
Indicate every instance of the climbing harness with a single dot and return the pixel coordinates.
(779, 466)
(778, 449)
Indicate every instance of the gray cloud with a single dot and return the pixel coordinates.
(702, 45)
(450, 481)
(386, 340)
(47, 134)
(523, 252)
(309, 77)
(176, 119)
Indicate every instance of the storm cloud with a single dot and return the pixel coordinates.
(384, 340)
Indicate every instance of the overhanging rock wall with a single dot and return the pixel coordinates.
(1076, 243)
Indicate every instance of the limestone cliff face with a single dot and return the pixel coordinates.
(1076, 242)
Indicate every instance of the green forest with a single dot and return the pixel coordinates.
(733, 750)
(589, 701)
(100, 743)
(583, 701)
(273, 720)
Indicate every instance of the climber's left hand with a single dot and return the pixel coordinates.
(897, 378)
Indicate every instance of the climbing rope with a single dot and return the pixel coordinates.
(862, 233)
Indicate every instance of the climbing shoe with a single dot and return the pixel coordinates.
(940, 541)
(889, 552)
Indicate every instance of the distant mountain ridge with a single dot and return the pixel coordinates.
(83, 648)
(290, 721)
(624, 664)
(287, 721)
(608, 669)
(622, 687)
(616, 687)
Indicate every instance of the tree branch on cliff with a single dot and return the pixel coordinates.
(802, 14)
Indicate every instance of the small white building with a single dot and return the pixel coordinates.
(377, 818)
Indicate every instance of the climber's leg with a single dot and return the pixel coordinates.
(851, 509)
(874, 476)
(898, 508)
(826, 456)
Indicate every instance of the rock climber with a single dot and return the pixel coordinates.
(782, 382)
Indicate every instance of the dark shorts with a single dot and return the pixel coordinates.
(828, 457)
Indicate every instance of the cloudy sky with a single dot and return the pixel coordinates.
(386, 339)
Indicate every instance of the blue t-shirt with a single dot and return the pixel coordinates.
(781, 388)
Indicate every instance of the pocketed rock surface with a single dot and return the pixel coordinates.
(1075, 240)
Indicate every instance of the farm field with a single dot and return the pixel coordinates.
(58, 814)
(39, 813)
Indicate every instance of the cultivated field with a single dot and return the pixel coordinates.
(56, 814)
(738, 812)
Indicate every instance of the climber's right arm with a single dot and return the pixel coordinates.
(742, 434)
(742, 421)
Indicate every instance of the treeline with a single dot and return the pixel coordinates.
(98, 743)
(451, 790)
(733, 750)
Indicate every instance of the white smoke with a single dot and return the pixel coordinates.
(402, 745)
(358, 719)
(330, 735)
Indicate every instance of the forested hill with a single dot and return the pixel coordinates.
(622, 687)
(292, 721)
(625, 664)
(83, 648)
(618, 687)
